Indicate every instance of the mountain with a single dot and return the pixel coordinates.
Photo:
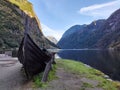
(52, 39)
(111, 30)
(98, 34)
(15, 17)
(77, 36)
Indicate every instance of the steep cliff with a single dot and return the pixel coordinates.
(13, 17)
(78, 36)
(99, 34)
(108, 35)
(111, 32)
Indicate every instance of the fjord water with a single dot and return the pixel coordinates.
(107, 61)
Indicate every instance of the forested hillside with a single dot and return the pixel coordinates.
(13, 17)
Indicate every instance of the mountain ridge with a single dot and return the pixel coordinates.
(104, 35)
(83, 32)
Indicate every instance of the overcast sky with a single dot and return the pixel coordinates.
(56, 16)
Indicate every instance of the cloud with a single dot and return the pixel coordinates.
(100, 10)
(50, 32)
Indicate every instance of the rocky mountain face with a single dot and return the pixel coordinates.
(77, 36)
(15, 17)
(52, 39)
(99, 34)
(111, 32)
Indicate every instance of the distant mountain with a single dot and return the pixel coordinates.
(99, 34)
(77, 36)
(52, 39)
(111, 32)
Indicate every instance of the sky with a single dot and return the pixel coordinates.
(57, 16)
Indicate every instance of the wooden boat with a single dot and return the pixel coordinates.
(33, 58)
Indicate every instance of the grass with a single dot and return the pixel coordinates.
(90, 73)
(24, 5)
(87, 85)
(82, 70)
(27, 7)
(37, 78)
(37, 81)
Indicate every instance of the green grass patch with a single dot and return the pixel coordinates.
(87, 85)
(88, 72)
(37, 78)
(52, 73)
(79, 67)
(24, 5)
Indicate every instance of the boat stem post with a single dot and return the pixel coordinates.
(47, 69)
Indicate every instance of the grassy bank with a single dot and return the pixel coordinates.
(81, 70)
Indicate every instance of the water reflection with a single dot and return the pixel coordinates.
(108, 61)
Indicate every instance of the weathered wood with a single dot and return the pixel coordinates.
(32, 57)
(46, 72)
(53, 58)
(47, 69)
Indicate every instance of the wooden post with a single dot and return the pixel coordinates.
(47, 70)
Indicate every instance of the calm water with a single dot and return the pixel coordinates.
(107, 61)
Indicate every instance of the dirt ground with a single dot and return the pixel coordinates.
(11, 77)
(70, 81)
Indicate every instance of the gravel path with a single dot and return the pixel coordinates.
(71, 81)
(11, 77)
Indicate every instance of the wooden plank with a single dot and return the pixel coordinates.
(46, 72)
(47, 69)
